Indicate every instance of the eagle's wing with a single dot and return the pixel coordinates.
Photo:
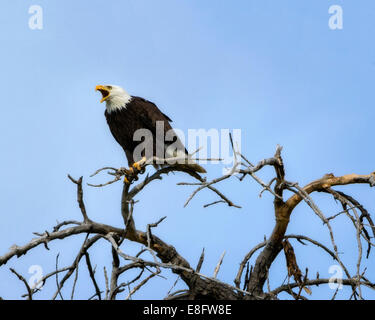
(149, 114)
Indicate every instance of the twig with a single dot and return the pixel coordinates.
(200, 262)
(106, 284)
(217, 269)
(80, 197)
(92, 275)
(29, 291)
(141, 284)
(57, 278)
(74, 283)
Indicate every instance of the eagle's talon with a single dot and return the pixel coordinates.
(125, 171)
(137, 166)
(130, 174)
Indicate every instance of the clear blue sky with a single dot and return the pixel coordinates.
(274, 69)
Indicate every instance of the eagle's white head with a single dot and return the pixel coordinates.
(115, 97)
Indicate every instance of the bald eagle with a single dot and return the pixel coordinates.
(127, 114)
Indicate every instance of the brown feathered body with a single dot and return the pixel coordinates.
(138, 114)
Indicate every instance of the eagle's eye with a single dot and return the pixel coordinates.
(109, 87)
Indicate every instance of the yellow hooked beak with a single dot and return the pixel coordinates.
(104, 90)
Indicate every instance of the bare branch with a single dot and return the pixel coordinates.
(217, 268)
(165, 255)
(200, 262)
(317, 282)
(92, 275)
(29, 291)
(142, 283)
(80, 197)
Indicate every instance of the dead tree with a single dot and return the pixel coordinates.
(250, 282)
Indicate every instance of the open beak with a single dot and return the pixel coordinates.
(104, 90)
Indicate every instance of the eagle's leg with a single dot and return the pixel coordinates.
(128, 174)
(139, 165)
(131, 174)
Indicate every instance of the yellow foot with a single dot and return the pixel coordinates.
(125, 171)
(138, 165)
(129, 175)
